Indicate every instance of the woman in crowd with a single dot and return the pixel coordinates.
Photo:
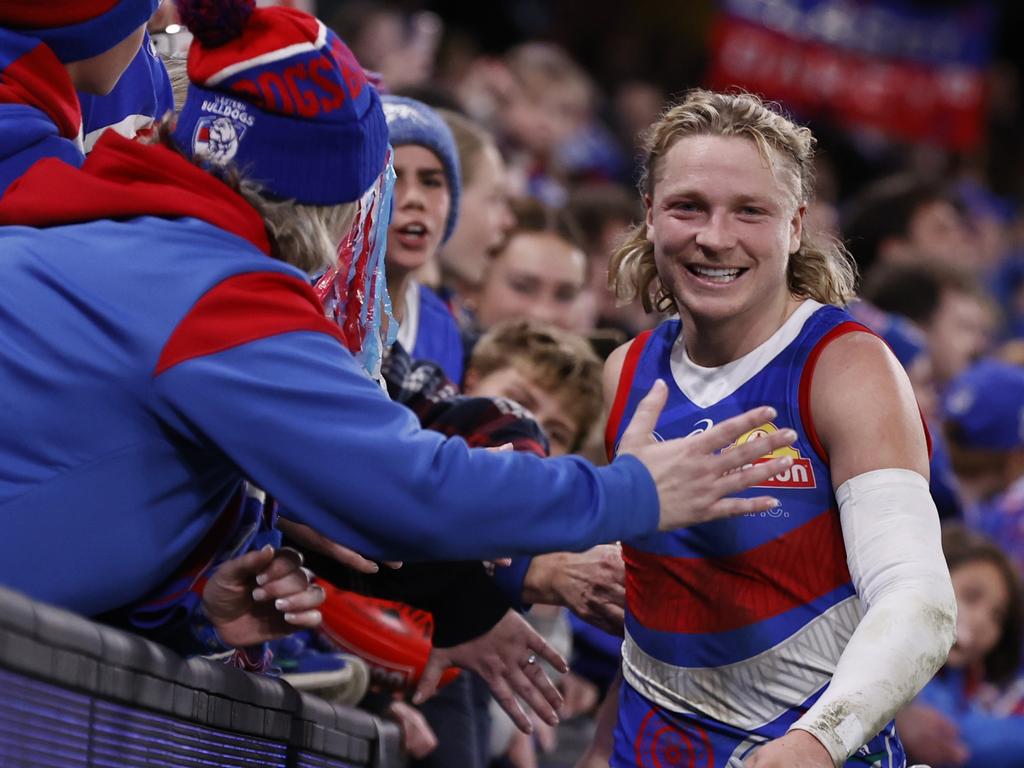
(985, 657)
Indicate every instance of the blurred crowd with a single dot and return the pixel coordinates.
(515, 182)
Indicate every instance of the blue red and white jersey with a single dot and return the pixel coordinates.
(740, 620)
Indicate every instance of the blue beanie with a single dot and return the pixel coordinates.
(413, 122)
(986, 404)
(279, 95)
(77, 29)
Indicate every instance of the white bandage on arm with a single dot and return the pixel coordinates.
(894, 551)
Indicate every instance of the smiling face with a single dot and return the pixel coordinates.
(723, 225)
(422, 200)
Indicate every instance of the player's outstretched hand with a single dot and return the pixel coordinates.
(508, 657)
(797, 749)
(694, 479)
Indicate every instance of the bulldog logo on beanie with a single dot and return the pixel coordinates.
(219, 132)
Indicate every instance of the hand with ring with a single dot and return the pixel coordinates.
(506, 657)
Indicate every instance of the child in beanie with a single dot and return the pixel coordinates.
(425, 210)
(47, 50)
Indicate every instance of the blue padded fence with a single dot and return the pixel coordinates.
(76, 694)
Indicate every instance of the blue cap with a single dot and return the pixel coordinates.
(413, 122)
(77, 29)
(986, 405)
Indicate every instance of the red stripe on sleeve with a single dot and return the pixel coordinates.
(245, 308)
(622, 391)
(718, 594)
(808, 376)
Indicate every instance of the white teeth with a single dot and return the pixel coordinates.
(414, 229)
(718, 274)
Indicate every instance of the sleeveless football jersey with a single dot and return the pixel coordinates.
(740, 622)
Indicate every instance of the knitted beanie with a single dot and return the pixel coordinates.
(279, 95)
(413, 122)
(77, 29)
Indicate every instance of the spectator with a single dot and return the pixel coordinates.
(47, 55)
(946, 302)
(605, 213)
(538, 274)
(553, 374)
(985, 657)
(904, 219)
(484, 213)
(140, 99)
(426, 208)
(984, 424)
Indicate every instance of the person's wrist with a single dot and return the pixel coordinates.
(539, 585)
(816, 737)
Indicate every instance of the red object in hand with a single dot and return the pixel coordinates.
(394, 639)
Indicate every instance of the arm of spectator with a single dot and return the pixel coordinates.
(506, 658)
(355, 467)
(591, 584)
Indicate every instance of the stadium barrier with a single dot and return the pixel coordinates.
(76, 693)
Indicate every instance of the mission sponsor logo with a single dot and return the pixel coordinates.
(800, 473)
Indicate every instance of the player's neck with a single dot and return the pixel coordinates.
(713, 342)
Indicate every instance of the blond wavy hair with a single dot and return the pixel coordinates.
(822, 269)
